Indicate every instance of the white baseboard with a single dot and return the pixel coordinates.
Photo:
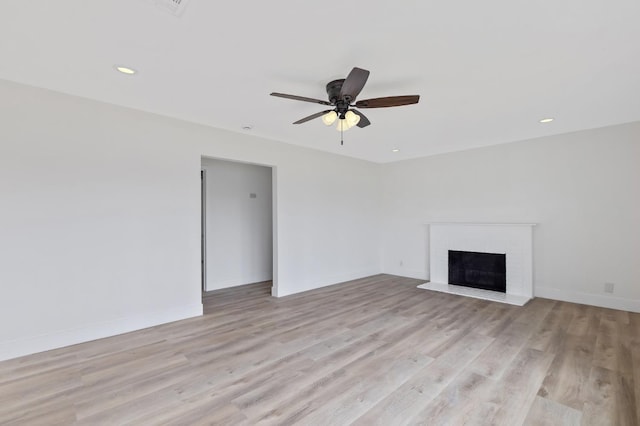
(325, 281)
(632, 305)
(409, 273)
(234, 282)
(92, 331)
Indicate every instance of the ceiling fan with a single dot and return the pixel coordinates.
(342, 98)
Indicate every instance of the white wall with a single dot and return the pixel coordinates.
(100, 214)
(100, 217)
(238, 227)
(582, 188)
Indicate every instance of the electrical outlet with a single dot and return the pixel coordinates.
(608, 287)
(401, 262)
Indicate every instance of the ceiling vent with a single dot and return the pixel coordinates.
(175, 7)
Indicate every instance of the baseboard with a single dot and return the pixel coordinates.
(408, 273)
(234, 282)
(326, 281)
(631, 305)
(92, 331)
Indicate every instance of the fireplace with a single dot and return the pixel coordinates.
(487, 271)
(506, 249)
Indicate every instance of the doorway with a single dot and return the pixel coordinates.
(237, 222)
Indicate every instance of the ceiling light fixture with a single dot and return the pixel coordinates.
(342, 94)
(247, 127)
(395, 150)
(125, 70)
(329, 118)
(350, 119)
(546, 120)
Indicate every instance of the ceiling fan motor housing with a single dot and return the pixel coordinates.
(333, 91)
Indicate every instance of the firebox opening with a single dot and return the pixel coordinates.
(485, 271)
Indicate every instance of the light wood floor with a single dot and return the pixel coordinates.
(371, 351)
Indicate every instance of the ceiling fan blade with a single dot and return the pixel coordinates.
(354, 83)
(389, 101)
(300, 98)
(312, 116)
(364, 121)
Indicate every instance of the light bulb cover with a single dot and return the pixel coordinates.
(330, 118)
(125, 70)
(352, 118)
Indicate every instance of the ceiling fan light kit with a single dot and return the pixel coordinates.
(342, 96)
(350, 120)
(330, 118)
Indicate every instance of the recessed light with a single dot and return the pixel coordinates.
(546, 120)
(125, 70)
(395, 150)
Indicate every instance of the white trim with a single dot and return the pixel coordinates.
(236, 282)
(274, 230)
(631, 305)
(328, 280)
(203, 227)
(409, 273)
(481, 224)
(99, 330)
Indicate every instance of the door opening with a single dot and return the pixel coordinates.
(238, 225)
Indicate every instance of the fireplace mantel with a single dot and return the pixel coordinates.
(513, 239)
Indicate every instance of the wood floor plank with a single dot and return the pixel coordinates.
(370, 351)
(585, 321)
(545, 412)
(552, 330)
(612, 351)
(635, 354)
(455, 402)
(566, 380)
(495, 359)
(364, 387)
(404, 403)
(610, 399)
(509, 400)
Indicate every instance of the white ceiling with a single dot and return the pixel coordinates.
(486, 71)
